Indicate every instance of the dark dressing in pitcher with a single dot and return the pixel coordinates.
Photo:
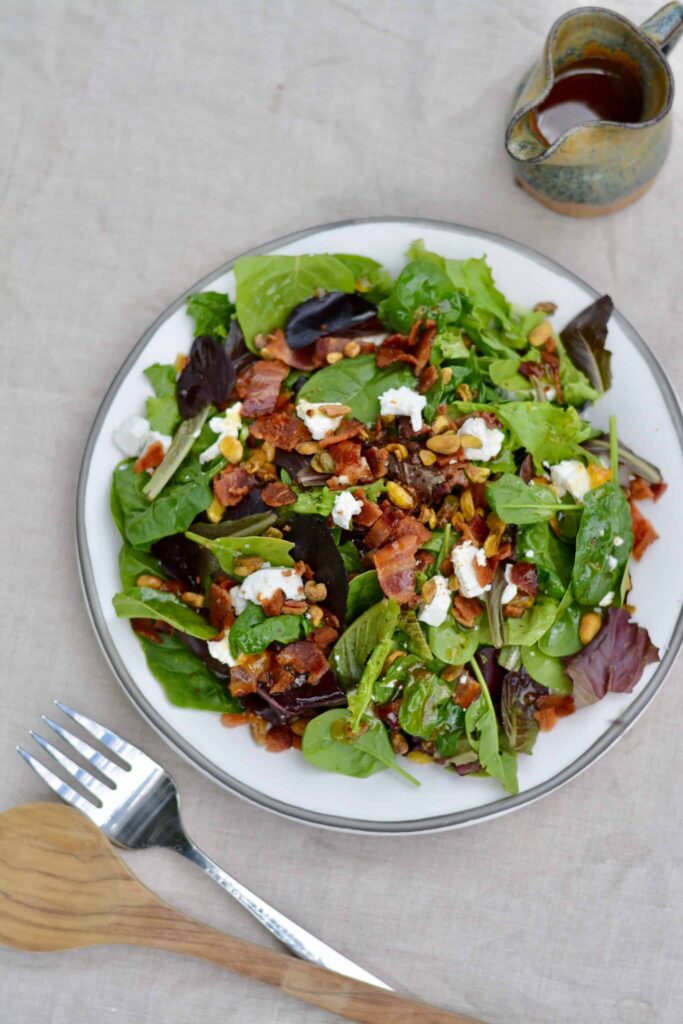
(594, 89)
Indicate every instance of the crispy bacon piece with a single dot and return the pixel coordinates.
(274, 604)
(281, 429)
(297, 358)
(467, 610)
(251, 670)
(476, 530)
(151, 629)
(276, 494)
(644, 532)
(525, 578)
(640, 490)
(298, 663)
(344, 432)
(489, 418)
(370, 511)
(231, 485)
(259, 386)
(465, 692)
(378, 461)
(383, 528)
(278, 738)
(531, 370)
(484, 573)
(352, 467)
(395, 565)
(428, 379)
(151, 458)
(330, 343)
(414, 349)
(550, 707)
(176, 587)
(423, 559)
(221, 611)
(324, 636)
(231, 720)
(410, 526)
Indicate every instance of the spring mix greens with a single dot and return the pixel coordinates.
(365, 517)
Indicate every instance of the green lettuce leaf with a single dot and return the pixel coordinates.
(357, 383)
(253, 631)
(186, 681)
(356, 644)
(226, 549)
(144, 521)
(211, 312)
(145, 603)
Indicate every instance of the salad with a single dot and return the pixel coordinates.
(364, 517)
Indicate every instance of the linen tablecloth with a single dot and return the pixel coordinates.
(142, 145)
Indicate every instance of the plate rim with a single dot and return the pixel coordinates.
(439, 823)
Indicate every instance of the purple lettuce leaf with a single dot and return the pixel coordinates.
(517, 705)
(613, 661)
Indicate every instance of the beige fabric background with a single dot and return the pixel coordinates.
(142, 145)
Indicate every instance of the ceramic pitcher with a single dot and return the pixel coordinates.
(600, 166)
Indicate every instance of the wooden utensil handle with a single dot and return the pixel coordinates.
(352, 999)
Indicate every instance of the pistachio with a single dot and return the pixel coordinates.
(491, 545)
(315, 615)
(419, 757)
(452, 672)
(215, 511)
(545, 307)
(335, 409)
(467, 504)
(315, 591)
(399, 450)
(260, 341)
(391, 658)
(540, 334)
(231, 449)
(427, 458)
(351, 349)
(470, 441)
(429, 591)
(308, 447)
(273, 531)
(399, 496)
(334, 357)
(477, 474)
(441, 424)
(398, 742)
(192, 599)
(464, 392)
(589, 626)
(322, 462)
(432, 521)
(268, 449)
(152, 582)
(244, 565)
(299, 727)
(444, 444)
(446, 375)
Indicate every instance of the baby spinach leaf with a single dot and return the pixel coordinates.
(144, 521)
(360, 699)
(599, 565)
(211, 312)
(563, 636)
(481, 725)
(134, 563)
(553, 558)
(371, 279)
(186, 681)
(357, 383)
(326, 745)
(253, 631)
(226, 549)
(421, 288)
(145, 603)
(504, 375)
(416, 639)
(364, 591)
(545, 669)
(513, 501)
(533, 624)
(425, 704)
(352, 650)
(452, 644)
(270, 287)
(584, 340)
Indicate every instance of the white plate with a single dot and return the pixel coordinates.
(649, 420)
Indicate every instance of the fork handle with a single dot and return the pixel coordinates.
(297, 939)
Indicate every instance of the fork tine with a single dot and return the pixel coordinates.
(95, 788)
(109, 770)
(68, 795)
(109, 739)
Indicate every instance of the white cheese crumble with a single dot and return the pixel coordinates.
(131, 436)
(607, 599)
(510, 592)
(435, 613)
(262, 584)
(491, 439)
(618, 541)
(403, 401)
(550, 394)
(529, 553)
(226, 425)
(464, 557)
(611, 562)
(375, 339)
(344, 509)
(571, 475)
(319, 424)
(220, 650)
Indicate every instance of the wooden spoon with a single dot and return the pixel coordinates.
(62, 886)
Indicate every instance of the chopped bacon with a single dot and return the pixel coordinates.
(221, 611)
(297, 358)
(414, 349)
(484, 573)
(150, 628)
(467, 610)
(176, 587)
(344, 432)
(259, 386)
(278, 738)
(644, 532)
(423, 559)
(409, 525)
(395, 565)
(251, 670)
(476, 530)
(330, 343)
(231, 719)
(531, 370)
(428, 379)
(370, 511)
(351, 465)
(525, 578)
(641, 490)
(383, 528)
(658, 490)
(298, 663)
(465, 692)
(151, 458)
(550, 707)
(274, 604)
(489, 418)
(281, 429)
(478, 492)
(277, 494)
(324, 636)
(378, 461)
(231, 485)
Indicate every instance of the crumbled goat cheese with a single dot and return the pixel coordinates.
(403, 401)
(163, 439)
(220, 650)
(262, 584)
(510, 592)
(611, 562)
(491, 439)
(618, 541)
(529, 553)
(344, 509)
(131, 436)
(571, 475)
(226, 425)
(607, 599)
(464, 557)
(436, 611)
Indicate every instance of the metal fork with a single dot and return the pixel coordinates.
(136, 806)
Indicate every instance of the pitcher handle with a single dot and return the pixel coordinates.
(665, 26)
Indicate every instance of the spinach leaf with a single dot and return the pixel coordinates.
(360, 699)
(327, 745)
(145, 603)
(144, 521)
(371, 279)
(162, 409)
(513, 501)
(357, 383)
(270, 287)
(211, 312)
(416, 639)
(584, 341)
(253, 631)
(481, 725)
(134, 563)
(352, 650)
(425, 704)
(533, 624)
(245, 526)
(545, 669)
(553, 558)
(226, 549)
(186, 681)
(422, 287)
(563, 636)
(364, 591)
(599, 565)
(452, 644)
